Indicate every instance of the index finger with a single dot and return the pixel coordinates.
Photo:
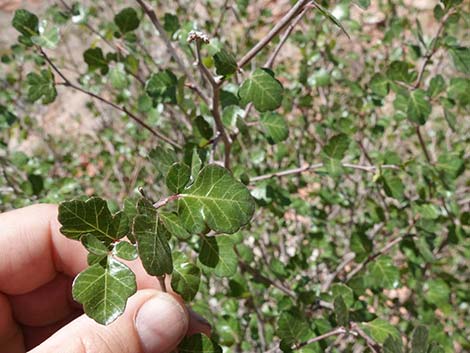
(33, 251)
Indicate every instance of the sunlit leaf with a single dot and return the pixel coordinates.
(217, 254)
(89, 217)
(185, 278)
(152, 243)
(104, 291)
(263, 90)
(127, 20)
(198, 343)
(217, 200)
(41, 85)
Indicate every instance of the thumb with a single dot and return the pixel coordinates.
(153, 322)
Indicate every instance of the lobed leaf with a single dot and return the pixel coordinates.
(263, 90)
(217, 200)
(104, 290)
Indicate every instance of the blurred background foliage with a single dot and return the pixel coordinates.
(395, 93)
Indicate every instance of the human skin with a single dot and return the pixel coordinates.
(38, 314)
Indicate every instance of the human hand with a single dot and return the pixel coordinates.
(38, 314)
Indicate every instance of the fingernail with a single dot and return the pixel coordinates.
(161, 324)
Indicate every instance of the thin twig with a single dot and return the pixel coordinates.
(432, 50)
(215, 106)
(288, 17)
(373, 346)
(423, 145)
(382, 251)
(366, 168)
(225, 7)
(270, 63)
(259, 276)
(158, 26)
(337, 331)
(123, 109)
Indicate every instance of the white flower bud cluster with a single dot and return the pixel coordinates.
(197, 36)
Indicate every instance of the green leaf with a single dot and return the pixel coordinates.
(90, 217)
(93, 245)
(162, 158)
(173, 225)
(198, 343)
(203, 127)
(125, 251)
(400, 71)
(461, 58)
(380, 330)
(127, 20)
(361, 245)
(171, 23)
(419, 342)
(392, 345)
(225, 62)
(418, 107)
(458, 90)
(339, 289)
(325, 12)
(7, 118)
(379, 85)
(437, 292)
(95, 59)
(178, 177)
(275, 127)
(130, 211)
(185, 278)
(41, 85)
(104, 291)
(436, 86)
(162, 87)
(383, 274)
(292, 327)
(217, 200)
(216, 253)
(26, 23)
(152, 243)
(263, 90)
(341, 312)
(49, 37)
(436, 348)
(393, 186)
(231, 114)
(337, 146)
(364, 4)
(118, 77)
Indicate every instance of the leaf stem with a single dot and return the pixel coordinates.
(161, 280)
(166, 200)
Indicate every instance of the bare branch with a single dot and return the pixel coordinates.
(123, 109)
(158, 26)
(365, 168)
(288, 17)
(432, 50)
(382, 251)
(337, 331)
